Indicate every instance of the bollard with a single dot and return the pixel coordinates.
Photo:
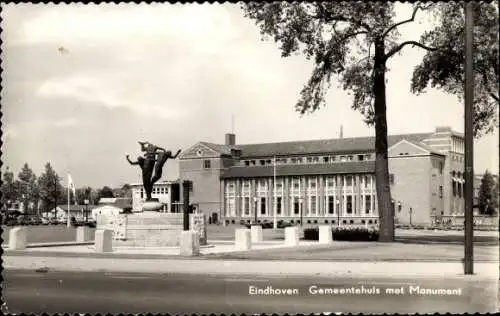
(256, 233)
(103, 240)
(189, 243)
(292, 236)
(82, 234)
(17, 238)
(325, 234)
(243, 239)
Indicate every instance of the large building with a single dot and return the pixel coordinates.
(326, 181)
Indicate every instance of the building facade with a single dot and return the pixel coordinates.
(167, 193)
(326, 181)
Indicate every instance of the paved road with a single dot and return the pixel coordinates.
(93, 292)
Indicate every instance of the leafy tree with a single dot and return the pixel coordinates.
(353, 41)
(51, 190)
(124, 191)
(105, 192)
(488, 194)
(8, 189)
(28, 187)
(444, 68)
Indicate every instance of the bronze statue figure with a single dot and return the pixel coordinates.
(153, 161)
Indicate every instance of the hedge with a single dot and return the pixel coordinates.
(344, 234)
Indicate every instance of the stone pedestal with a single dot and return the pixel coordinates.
(325, 234)
(103, 240)
(256, 233)
(17, 238)
(292, 236)
(189, 243)
(82, 234)
(242, 239)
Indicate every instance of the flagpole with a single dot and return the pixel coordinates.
(68, 219)
(275, 224)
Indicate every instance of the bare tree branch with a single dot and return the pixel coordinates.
(400, 46)
(392, 27)
(328, 17)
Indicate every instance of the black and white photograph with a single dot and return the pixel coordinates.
(250, 157)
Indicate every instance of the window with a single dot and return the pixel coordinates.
(296, 206)
(349, 204)
(309, 159)
(440, 168)
(206, 164)
(391, 178)
(348, 181)
(366, 181)
(312, 207)
(278, 205)
(361, 157)
(368, 204)
(343, 158)
(246, 205)
(312, 184)
(296, 183)
(440, 191)
(315, 159)
(247, 163)
(463, 189)
(268, 161)
(262, 162)
(325, 159)
(454, 187)
(330, 204)
(333, 158)
(142, 193)
(262, 205)
(459, 189)
(330, 182)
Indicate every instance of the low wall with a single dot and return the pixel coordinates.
(151, 229)
(458, 220)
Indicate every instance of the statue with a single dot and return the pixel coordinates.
(152, 164)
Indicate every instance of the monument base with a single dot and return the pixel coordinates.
(152, 205)
(155, 229)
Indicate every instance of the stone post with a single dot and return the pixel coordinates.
(189, 243)
(17, 238)
(256, 232)
(325, 234)
(82, 234)
(292, 236)
(243, 239)
(103, 240)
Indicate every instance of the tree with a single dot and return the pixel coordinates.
(105, 192)
(353, 41)
(51, 190)
(28, 187)
(8, 189)
(444, 68)
(488, 194)
(124, 191)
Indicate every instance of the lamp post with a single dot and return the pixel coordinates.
(338, 211)
(411, 211)
(255, 199)
(300, 209)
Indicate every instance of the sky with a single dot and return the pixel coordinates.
(83, 83)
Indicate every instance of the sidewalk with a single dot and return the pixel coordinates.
(437, 270)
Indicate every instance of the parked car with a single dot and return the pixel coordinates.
(22, 221)
(11, 222)
(35, 221)
(53, 221)
(45, 221)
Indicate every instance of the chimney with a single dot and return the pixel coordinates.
(230, 139)
(341, 132)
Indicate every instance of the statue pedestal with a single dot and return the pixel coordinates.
(154, 229)
(152, 205)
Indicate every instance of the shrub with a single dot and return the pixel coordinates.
(311, 233)
(345, 234)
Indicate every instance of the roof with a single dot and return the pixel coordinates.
(74, 208)
(306, 169)
(338, 145)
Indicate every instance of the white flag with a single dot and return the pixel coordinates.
(71, 185)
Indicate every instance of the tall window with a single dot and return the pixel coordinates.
(263, 206)
(312, 205)
(246, 206)
(459, 189)
(279, 201)
(368, 204)
(454, 187)
(296, 205)
(230, 198)
(440, 191)
(391, 178)
(349, 204)
(330, 206)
